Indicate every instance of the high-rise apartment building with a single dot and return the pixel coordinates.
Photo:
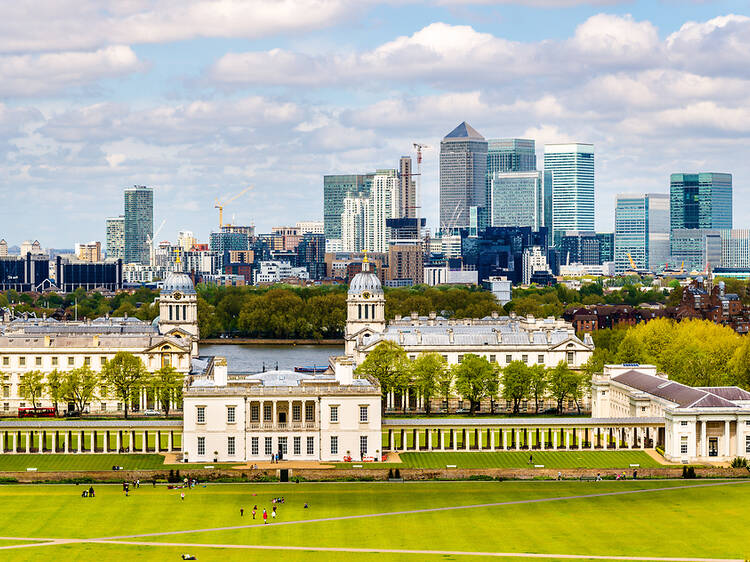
(407, 189)
(385, 204)
(336, 188)
(406, 261)
(517, 199)
(641, 231)
(700, 201)
(89, 252)
(3, 248)
(186, 240)
(463, 176)
(138, 224)
(572, 168)
(355, 227)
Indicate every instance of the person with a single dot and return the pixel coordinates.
(242, 512)
(273, 512)
(138, 483)
(84, 494)
(598, 477)
(635, 475)
(559, 475)
(91, 491)
(265, 517)
(255, 508)
(305, 505)
(182, 496)
(154, 481)
(531, 458)
(271, 459)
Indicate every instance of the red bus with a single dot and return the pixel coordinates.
(36, 412)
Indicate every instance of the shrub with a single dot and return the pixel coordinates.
(739, 462)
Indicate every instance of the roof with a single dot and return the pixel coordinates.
(178, 282)
(535, 422)
(464, 131)
(728, 392)
(366, 281)
(94, 424)
(682, 395)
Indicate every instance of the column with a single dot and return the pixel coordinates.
(441, 438)
(29, 436)
(80, 441)
(554, 439)
(643, 438)
(727, 439)
(2, 441)
(542, 439)
(516, 439)
(453, 438)
(15, 442)
(54, 441)
(492, 439)
(592, 432)
(428, 441)
(157, 443)
(105, 443)
(145, 441)
(119, 441)
(170, 440)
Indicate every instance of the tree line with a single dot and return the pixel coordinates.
(475, 378)
(124, 376)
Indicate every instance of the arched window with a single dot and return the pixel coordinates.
(367, 312)
(171, 312)
(359, 306)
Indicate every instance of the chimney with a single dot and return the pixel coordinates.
(419, 337)
(220, 371)
(47, 341)
(494, 314)
(345, 371)
(400, 338)
(96, 340)
(450, 335)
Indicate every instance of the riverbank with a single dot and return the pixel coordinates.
(257, 341)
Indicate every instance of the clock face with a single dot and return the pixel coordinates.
(365, 295)
(177, 296)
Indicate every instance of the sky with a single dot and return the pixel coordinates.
(201, 99)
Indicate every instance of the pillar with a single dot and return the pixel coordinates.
(170, 440)
(592, 432)
(54, 441)
(542, 439)
(727, 439)
(453, 439)
(29, 436)
(428, 441)
(119, 441)
(441, 438)
(15, 442)
(516, 439)
(80, 441)
(145, 441)
(492, 439)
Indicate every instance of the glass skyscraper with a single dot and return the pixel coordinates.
(572, 168)
(509, 155)
(700, 201)
(463, 176)
(115, 237)
(517, 199)
(335, 189)
(138, 224)
(641, 231)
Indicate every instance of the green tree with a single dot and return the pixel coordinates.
(476, 378)
(55, 387)
(208, 322)
(79, 386)
(562, 383)
(740, 365)
(125, 374)
(167, 385)
(537, 384)
(31, 386)
(427, 371)
(444, 384)
(516, 383)
(388, 364)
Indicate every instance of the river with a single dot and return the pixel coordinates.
(252, 358)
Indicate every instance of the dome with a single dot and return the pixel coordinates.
(178, 282)
(366, 281)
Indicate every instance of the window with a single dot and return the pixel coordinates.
(445, 358)
(684, 445)
(6, 361)
(363, 414)
(334, 445)
(254, 412)
(201, 446)
(119, 406)
(493, 358)
(87, 360)
(38, 361)
(296, 412)
(643, 408)
(230, 446)
(71, 361)
(54, 361)
(747, 443)
(282, 445)
(311, 445)
(21, 361)
(297, 446)
(540, 359)
(254, 446)
(460, 358)
(6, 406)
(508, 358)
(412, 357)
(267, 408)
(334, 413)
(525, 358)
(6, 392)
(269, 446)
(103, 407)
(103, 361)
(683, 423)
(524, 405)
(201, 414)
(230, 414)
(570, 357)
(309, 412)
(363, 445)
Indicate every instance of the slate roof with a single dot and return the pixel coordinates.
(728, 392)
(682, 395)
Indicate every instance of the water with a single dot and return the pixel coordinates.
(251, 358)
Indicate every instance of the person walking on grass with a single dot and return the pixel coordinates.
(265, 516)
(242, 512)
(255, 508)
(182, 496)
(531, 458)
(273, 513)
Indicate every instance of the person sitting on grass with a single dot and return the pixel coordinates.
(91, 491)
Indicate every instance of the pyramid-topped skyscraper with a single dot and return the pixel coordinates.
(463, 168)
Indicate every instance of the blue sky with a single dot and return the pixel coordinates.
(201, 99)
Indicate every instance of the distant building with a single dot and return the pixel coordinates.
(3, 248)
(336, 188)
(580, 247)
(186, 240)
(641, 231)
(735, 248)
(463, 176)
(385, 205)
(406, 261)
(115, 237)
(572, 168)
(517, 199)
(29, 272)
(312, 254)
(310, 227)
(498, 251)
(269, 272)
(90, 252)
(501, 287)
(138, 224)
(34, 248)
(407, 196)
(71, 275)
(534, 263)
(356, 227)
(509, 155)
(700, 201)
(696, 248)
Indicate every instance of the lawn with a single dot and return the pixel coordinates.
(518, 459)
(632, 518)
(82, 462)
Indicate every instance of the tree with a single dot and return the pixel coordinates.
(740, 365)
(426, 373)
(31, 386)
(516, 383)
(124, 374)
(55, 387)
(537, 383)
(78, 386)
(561, 383)
(167, 385)
(388, 364)
(444, 383)
(476, 378)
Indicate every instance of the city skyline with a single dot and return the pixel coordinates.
(199, 109)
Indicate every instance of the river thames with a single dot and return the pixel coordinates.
(252, 358)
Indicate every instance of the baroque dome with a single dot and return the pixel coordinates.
(178, 282)
(366, 281)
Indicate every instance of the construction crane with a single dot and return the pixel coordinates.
(420, 147)
(220, 206)
(150, 242)
(632, 263)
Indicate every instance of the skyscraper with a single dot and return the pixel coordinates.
(356, 226)
(509, 155)
(115, 237)
(517, 199)
(335, 189)
(572, 167)
(138, 224)
(385, 204)
(641, 231)
(407, 189)
(700, 201)
(463, 176)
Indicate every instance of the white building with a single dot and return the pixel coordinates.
(700, 424)
(501, 287)
(356, 224)
(275, 271)
(607, 269)
(311, 227)
(534, 259)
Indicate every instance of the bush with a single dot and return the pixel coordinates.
(739, 462)
(480, 477)
(688, 472)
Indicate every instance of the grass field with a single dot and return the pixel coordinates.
(685, 519)
(83, 462)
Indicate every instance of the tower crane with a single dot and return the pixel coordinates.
(220, 206)
(420, 147)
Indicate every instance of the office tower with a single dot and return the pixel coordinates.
(3, 248)
(641, 231)
(700, 201)
(355, 224)
(572, 168)
(385, 204)
(335, 189)
(90, 252)
(226, 241)
(138, 224)
(407, 189)
(510, 155)
(735, 248)
(606, 246)
(186, 240)
(405, 262)
(517, 199)
(463, 176)
(548, 188)
(580, 247)
(696, 249)
(115, 237)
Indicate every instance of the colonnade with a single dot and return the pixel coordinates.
(430, 437)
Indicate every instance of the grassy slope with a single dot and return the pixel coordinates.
(653, 523)
(75, 462)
